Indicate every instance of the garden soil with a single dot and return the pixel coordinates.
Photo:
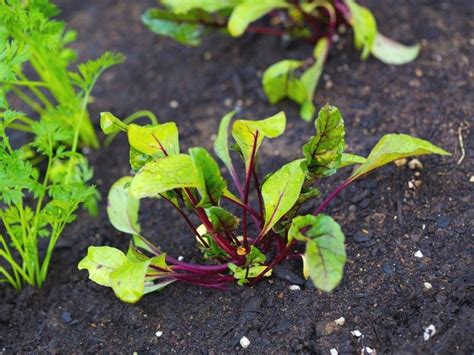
(387, 294)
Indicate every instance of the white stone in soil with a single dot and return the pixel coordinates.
(429, 332)
(244, 342)
(340, 321)
(333, 351)
(295, 288)
(418, 254)
(427, 285)
(159, 333)
(356, 333)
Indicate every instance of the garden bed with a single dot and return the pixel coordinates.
(384, 293)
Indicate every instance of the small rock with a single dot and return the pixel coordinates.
(66, 317)
(443, 221)
(418, 72)
(369, 350)
(244, 342)
(159, 333)
(411, 185)
(427, 285)
(471, 179)
(400, 162)
(207, 56)
(333, 352)
(361, 237)
(340, 321)
(418, 254)
(415, 164)
(356, 333)
(295, 288)
(174, 104)
(429, 332)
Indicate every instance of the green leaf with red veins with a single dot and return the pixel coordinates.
(155, 140)
(323, 152)
(325, 254)
(281, 191)
(249, 134)
(168, 173)
(392, 147)
(222, 220)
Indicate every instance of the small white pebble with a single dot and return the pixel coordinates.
(180, 258)
(333, 352)
(471, 178)
(429, 332)
(423, 227)
(159, 333)
(418, 254)
(340, 321)
(415, 164)
(427, 285)
(411, 185)
(356, 333)
(174, 104)
(369, 350)
(134, 353)
(244, 342)
(294, 288)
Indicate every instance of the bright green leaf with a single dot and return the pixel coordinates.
(350, 159)
(365, 27)
(110, 124)
(281, 191)
(250, 10)
(184, 28)
(391, 52)
(128, 280)
(325, 254)
(221, 145)
(280, 81)
(183, 6)
(101, 262)
(324, 150)
(212, 184)
(155, 140)
(172, 172)
(249, 134)
(393, 147)
(122, 208)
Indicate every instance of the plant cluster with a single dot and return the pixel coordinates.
(34, 62)
(242, 234)
(315, 21)
(43, 182)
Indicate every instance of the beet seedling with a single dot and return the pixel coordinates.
(313, 21)
(243, 241)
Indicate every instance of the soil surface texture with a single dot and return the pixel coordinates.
(385, 293)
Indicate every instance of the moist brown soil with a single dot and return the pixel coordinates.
(382, 293)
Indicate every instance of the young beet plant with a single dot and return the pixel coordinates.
(34, 60)
(242, 242)
(315, 21)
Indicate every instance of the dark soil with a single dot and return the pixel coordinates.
(382, 294)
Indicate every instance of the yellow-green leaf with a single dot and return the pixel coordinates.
(101, 262)
(392, 52)
(155, 140)
(122, 208)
